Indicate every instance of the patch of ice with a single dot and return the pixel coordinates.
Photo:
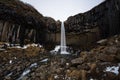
(10, 61)
(67, 64)
(17, 47)
(15, 58)
(36, 45)
(7, 44)
(116, 41)
(113, 69)
(33, 45)
(40, 46)
(9, 74)
(44, 60)
(24, 47)
(56, 76)
(64, 52)
(57, 48)
(101, 41)
(33, 65)
(25, 72)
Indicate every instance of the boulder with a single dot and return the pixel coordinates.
(106, 58)
(110, 76)
(77, 61)
(77, 74)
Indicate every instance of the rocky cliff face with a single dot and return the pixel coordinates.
(21, 23)
(53, 27)
(105, 17)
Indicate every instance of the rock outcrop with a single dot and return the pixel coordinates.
(104, 19)
(34, 62)
(53, 28)
(21, 23)
(106, 16)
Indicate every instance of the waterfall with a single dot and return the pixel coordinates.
(63, 40)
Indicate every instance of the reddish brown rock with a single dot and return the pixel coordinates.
(106, 58)
(110, 76)
(77, 74)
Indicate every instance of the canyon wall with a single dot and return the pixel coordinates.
(106, 16)
(21, 23)
(100, 22)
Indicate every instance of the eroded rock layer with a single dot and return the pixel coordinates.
(104, 19)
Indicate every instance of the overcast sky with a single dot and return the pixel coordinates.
(62, 9)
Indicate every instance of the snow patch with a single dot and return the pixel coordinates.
(56, 49)
(56, 76)
(26, 46)
(10, 74)
(33, 65)
(18, 47)
(25, 72)
(113, 69)
(10, 61)
(101, 41)
(44, 60)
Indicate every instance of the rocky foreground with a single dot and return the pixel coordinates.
(33, 62)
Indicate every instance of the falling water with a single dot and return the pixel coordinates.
(63, 40)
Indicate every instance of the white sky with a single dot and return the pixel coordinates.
(62, 9)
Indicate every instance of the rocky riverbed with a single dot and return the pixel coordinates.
(33, 62)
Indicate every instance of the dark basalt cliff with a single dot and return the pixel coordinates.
(100, 22)
(21, 23)
(105, 16)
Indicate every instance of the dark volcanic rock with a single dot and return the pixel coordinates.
(100, 22)
(105, 16)
(100, 63)
(21, 23)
